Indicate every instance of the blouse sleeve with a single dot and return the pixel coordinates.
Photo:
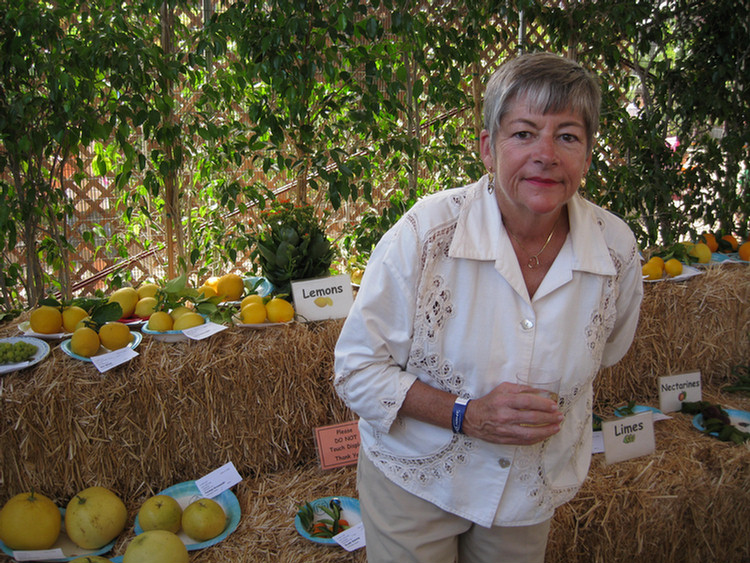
(629, 297)
(373, 348)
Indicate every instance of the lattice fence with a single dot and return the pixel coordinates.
(95, 199)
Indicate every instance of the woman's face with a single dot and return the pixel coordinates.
(538, 159)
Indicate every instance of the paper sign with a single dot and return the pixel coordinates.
(107, 361)
(203, 331)
(338, 444)
(597, 442)
(218, 481)
(39, 555)
(676, 389)
(352, 538)
(628, 437)
(323, 298)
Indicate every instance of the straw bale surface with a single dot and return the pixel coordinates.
(174, 413)
(701, 324)
(180, 410)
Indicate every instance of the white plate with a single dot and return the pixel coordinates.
(687, 272)
(25, 327)
(69, 549)
(42, 350)
(187, 492)
(263, 325)
(164, 335)
(65, 345)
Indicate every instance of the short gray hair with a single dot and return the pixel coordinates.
(550, 83)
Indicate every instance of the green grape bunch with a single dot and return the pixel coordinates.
(16, 352)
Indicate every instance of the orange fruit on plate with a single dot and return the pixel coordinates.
(709, 239)
(732, 241)
(744, 251)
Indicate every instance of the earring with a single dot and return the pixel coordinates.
(491, 182)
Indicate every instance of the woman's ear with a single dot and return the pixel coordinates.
(486, 151)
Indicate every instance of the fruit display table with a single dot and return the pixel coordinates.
(253, 397)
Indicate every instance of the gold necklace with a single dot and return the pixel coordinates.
(534, 259)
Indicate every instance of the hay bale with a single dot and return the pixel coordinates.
(172, 414)
(701, 324)
(254, 397)
(688, 502)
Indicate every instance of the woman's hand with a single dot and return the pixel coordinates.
(508, 415)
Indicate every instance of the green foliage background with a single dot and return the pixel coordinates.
(356, 103)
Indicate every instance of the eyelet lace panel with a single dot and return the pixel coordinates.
(425, 470)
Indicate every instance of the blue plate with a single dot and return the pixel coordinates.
(264, 288)
(65, 345)
(636, 410)
(187, 492)
(738, 419)
(349, 511)
(69, 549)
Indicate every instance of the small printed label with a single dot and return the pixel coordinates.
(105, 362)
(39, 555)
(677, 389)
(323, 298)
(628, 437)
(218, 481)
(338, 444)
(352, 538)
(203, 331)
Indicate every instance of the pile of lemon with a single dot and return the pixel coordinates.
(230, 287)
(255, 309)
(656, 268)
(179, 318)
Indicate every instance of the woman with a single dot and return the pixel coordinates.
(515, 274)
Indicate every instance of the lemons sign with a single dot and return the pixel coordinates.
(323, 298)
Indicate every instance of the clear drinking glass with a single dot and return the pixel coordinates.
(543, 383)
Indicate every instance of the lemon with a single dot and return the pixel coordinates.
(651, 271)
(203, 519)
(71, 316)
(156, 546)
(46, 320)
(252, 298)
(177, 312)
(230, 287)
(127, 297)
(160, 321)
(253, 313)
(212, 282)
(85, 342)
(279, 310)
(702, 252)
(160, 512)
(673, 267)
(323, 301)
(658, 260)
(188, 320)
(207, 291)
(147, 290)
(115, 335)
(30, 521)
(145, 307)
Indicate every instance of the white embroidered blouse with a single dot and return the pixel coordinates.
(443, 300)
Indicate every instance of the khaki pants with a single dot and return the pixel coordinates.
(402, 528)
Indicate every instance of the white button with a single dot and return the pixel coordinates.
(504, 463)
(527, 324)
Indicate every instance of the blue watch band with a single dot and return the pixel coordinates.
(459, 410)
